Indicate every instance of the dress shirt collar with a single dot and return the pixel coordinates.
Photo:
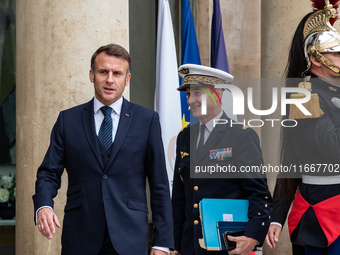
(116, 106)
(210, 124)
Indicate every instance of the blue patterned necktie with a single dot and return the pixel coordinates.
(105, 131)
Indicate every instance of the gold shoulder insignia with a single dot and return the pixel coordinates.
(332, 89)
(184, 154)
(313, 105)
(245, 127)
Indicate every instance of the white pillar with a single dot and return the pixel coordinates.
(55, 42)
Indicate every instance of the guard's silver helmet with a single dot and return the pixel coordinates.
(321, 37)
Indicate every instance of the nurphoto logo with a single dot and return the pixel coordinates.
(239, 102)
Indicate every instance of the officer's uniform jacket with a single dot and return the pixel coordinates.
(243, 150)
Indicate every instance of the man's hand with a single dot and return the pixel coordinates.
(273, 235)
(244, 244)
(174, 252)
(46, 220)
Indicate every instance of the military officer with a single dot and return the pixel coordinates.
(206, 143)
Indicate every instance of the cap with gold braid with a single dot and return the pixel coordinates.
(319, 34)
(197, 75)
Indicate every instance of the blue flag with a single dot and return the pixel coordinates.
(218, 56)
(190, 55)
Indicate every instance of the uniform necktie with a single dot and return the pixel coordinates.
(201, 141)
(105, 131)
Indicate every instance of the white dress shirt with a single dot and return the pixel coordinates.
(209, 126)
(115, 114)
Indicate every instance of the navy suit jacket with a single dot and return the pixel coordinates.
(111, 193)
(188, 191)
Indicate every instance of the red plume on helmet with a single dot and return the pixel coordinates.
(320, 5)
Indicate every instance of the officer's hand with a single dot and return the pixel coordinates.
(273, 235)
(46, 220)
(244, 244)
(174, 252)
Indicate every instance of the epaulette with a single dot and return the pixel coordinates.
(313, 105)
(246, 127)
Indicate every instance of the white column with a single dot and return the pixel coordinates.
(55, 42)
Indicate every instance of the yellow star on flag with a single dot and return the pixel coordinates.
(184, 123)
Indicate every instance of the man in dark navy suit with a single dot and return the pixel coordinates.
(108, 147)
(207, 144)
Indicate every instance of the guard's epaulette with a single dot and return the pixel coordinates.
(313, 105)
(246, 127)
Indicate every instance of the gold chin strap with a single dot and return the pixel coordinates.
(314, 52)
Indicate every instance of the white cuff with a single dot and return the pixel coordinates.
(161, 249)
(36, 213)
(276, 223)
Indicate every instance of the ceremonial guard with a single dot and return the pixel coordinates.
(313, 146)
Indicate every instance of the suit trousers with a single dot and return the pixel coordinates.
(107, 247)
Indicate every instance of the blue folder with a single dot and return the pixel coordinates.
(215, 210)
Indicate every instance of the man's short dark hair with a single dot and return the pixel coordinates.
(112, 50)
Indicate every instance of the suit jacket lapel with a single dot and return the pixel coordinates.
(90, 131)
(125, 119)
